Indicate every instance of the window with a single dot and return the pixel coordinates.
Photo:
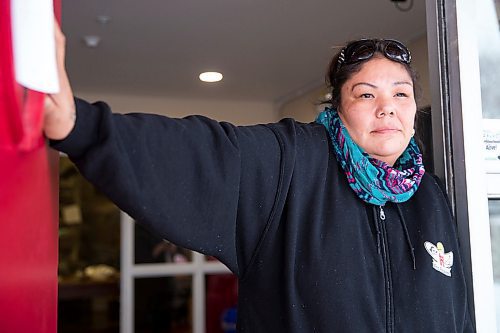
(166, 288)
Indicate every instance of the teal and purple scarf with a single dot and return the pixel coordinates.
(372, 180)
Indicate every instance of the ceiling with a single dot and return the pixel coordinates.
(268, 50)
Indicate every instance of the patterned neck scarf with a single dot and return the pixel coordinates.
(372, 180)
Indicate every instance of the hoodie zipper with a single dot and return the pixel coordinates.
(387, 272)
(382, 213)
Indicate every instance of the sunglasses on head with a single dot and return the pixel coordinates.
(364, 49)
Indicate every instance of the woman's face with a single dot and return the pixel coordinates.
(378, 108)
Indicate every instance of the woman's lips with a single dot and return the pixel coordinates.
(385, 130)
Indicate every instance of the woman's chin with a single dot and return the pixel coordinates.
(388, 154)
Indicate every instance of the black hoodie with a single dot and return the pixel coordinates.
(272, 203)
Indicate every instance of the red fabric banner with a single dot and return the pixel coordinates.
(28, 241)
(10, 121)
(28, 202)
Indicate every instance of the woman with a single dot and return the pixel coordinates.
(331, 226)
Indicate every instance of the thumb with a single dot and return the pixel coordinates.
(59, 108)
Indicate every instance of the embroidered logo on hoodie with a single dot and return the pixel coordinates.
(441, 261)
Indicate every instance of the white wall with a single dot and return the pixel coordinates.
(236, 112)
(420, 61)
(304, 108)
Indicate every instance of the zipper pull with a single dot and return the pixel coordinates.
(382, 213)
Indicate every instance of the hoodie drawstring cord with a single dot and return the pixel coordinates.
(407, 235)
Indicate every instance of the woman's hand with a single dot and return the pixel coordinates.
(59, 108)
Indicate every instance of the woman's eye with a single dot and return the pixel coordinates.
(366, 95)
(401, 94)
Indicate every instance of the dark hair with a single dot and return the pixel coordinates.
(337, 75)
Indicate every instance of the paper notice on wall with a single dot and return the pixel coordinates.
(491, 139)
(34, 45)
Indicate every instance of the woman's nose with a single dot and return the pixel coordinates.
(386, 109)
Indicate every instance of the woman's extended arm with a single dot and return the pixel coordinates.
(201, 184)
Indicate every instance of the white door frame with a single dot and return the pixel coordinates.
(457, 127)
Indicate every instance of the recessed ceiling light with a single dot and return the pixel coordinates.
(103, 19)
(211, 77)
(92, 41)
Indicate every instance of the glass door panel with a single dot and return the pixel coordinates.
(89, 256)
(221, 300)
(489, 64)
(163, 304)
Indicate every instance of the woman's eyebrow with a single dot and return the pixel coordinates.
(402, 82)
(375, 87)
(363, 83)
